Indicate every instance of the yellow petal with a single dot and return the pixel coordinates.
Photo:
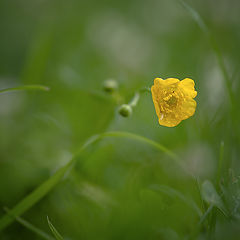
(188, 108)
(155, 90)
(187, 86)
(169, 120)
(166, 82)
(156, 105)
(183, 92)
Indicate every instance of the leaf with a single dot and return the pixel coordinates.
(54, 230)
(31, 227)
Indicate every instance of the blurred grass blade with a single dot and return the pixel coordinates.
(205, 215)
(200, 194)
(49, 184)
(211, 196)
(144, 140)
(220, 162)
(41, 191)
(176, 194)
(54, 231)
(195, 16)
(39, 53)
(198, 19)
(25, 88)
(31, 227)
(33, 197)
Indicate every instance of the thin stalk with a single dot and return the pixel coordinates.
(25, 87)
(135, 100)
(205, 215)
(198, 19)
(41, 191)
(200, 194)
(31, 227)
(55, 233)
(220, 162)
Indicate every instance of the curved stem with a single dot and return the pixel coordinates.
(26, 87)
(41, 191)
(135, 100)
(198, 19)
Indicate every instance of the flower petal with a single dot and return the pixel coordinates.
(169, 120)
(166, 82)
(155, 102)
(171, 113)
(187, 86)
(188, 108)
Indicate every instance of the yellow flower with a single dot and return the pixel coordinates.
(173, 100)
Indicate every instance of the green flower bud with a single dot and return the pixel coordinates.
(110, 85)
(125, 110)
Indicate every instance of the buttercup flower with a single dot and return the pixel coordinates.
(173, 100)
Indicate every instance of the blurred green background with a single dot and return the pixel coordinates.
(119, 188)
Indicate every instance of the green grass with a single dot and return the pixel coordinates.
(48, 185)
(54, 231)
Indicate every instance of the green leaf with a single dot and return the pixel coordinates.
(54, 231)
(31, 227)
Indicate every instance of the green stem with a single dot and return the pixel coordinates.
(198, 19)
(135, 100)
(145, 89)
(26, 87)
(31, 227)
(205, 215)
(220, 162)
(136, 97)
(55, 233)
(41, 191)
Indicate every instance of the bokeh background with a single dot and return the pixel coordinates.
(73, 47)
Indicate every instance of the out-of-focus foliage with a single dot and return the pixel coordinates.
(119, 188)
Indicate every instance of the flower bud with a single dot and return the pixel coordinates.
(125, 110)
(110, 85)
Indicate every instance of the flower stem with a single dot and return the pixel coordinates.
(26, 87)
(135, 100)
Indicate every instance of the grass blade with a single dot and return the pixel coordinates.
(220, 162)
(55, 233)
(41, 191)
(25, 88)
(198, 19)
(205, 215)
(145, 140)
(195, 15)
(211, 196)
(31, 227)
(33, 197)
